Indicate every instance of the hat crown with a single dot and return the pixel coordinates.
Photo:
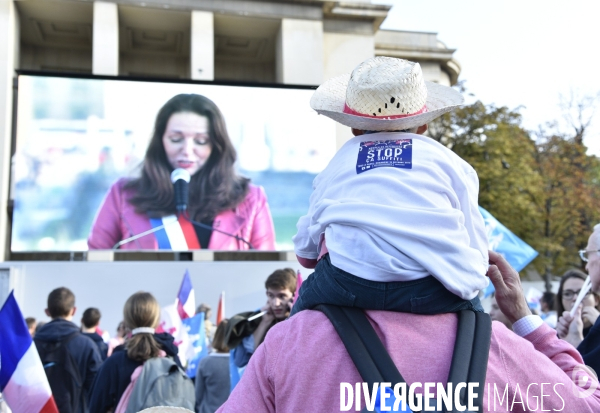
(385, 86)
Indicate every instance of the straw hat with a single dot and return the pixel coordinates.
(165, 409)
(384, 93)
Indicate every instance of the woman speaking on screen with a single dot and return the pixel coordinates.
(189, 134)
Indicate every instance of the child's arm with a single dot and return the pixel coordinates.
(307, 250)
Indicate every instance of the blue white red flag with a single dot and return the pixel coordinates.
(186, 300)
(23, 382)
(501, 240)
(177, 235)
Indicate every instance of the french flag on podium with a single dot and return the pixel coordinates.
(186, 300)
(23, 382)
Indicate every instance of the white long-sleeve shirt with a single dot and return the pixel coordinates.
(398, 207)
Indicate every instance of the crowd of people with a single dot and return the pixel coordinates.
(393, 229)
(92, 374)
(107, 369)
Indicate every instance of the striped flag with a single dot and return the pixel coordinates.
(23, 382)
(177, 235)
(221, 308)
(186, 300)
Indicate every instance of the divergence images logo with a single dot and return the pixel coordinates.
(583, 375)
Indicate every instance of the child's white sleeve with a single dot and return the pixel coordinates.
(304, 245)
(473, 218)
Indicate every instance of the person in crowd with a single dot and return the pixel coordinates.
(212, 377)
(496, 313)
(547, 308)
(209, 327)
(61, 339)
(352, 234)
(280, 289)
(141, 314)
(119, 339)
(573, 328)
(306, 353)
(89, 324)
(568, 290)
(39, 326)
(31, 325)
(189, 133)
(357, 229)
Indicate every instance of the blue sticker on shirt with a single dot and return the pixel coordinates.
(395, 153)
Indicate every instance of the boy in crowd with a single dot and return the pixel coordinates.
(89, 327)
(280, 289)
(71, 360)
(31, 325)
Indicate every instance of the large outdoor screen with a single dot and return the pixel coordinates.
(76, 136)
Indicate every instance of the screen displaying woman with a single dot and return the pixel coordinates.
(190, 134)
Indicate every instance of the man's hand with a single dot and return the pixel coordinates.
(563, 325)
(269, 317)
(509, 293)
(265, 322)
(570, 328)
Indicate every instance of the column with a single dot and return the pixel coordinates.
(202, 53)
(9, 61)
(299, 52)
(105, 47)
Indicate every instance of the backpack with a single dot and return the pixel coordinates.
(162, 383)
(373, 362)
(63, 374)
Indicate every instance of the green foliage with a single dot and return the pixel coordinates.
(543, 190)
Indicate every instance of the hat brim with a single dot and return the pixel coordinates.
(330, 98)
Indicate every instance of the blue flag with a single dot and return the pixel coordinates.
(197, 333)
(234, 371)
(501, 240)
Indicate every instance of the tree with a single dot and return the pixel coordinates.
(543, 190)
(492, 140)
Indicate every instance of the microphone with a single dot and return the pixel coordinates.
(181, 179)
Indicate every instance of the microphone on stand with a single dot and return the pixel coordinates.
(181, 180)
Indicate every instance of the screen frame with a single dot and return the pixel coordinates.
(68, 255)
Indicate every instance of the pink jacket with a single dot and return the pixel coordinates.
(301, 363)
(117, 220)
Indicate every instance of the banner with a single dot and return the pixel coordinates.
(501, 240)
(196, 332)
(170, 322)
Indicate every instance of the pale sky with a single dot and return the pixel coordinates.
(516, 53)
